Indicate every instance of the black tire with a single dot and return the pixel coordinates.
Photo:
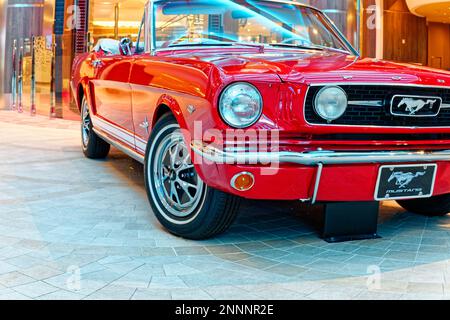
(94, 147)
(212, 211)
(433, 207)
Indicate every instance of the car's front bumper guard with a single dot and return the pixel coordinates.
(316, 158)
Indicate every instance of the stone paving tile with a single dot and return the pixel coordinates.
(35, 289)
(140, 277)
(335, 293)
(425, 287)
(63, 217)
(112, 292)
(15, 278)
(41, 272)
(191, 251)
(379, 295)
(23, 261)
(227, 292)
(286, 270)
(422, 296)
(303, 287)
(151, 294)
(167, 282)
(190, 294)
(14, 296)
(61, 295)
(7, 268)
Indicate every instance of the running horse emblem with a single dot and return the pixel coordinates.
(414, 105)
(403, 179)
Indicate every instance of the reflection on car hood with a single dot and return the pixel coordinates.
(318, 67)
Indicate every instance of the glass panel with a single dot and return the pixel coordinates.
(115, 19)
(227, 21)
(36, 19)
(344, 13)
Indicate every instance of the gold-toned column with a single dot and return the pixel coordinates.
(3, 13)
(20, 80)
(116, 21)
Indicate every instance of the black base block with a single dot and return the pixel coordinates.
(347, 221)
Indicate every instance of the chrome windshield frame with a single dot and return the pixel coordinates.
(151, 36)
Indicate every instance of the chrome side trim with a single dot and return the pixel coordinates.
(380, 103)
(313, 158)
(133, 154)
(375, 103)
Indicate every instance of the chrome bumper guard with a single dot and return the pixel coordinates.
(313, 158)
(316, 158)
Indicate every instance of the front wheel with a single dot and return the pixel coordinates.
(181, 201)
(432, 207)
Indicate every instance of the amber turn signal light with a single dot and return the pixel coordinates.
(243, 181)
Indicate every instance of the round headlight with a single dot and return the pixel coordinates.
(330, 103)
(240, 105)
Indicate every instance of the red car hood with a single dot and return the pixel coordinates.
(318, 67)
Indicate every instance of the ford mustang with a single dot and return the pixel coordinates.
(262, 99)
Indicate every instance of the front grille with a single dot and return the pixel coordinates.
(360, 115)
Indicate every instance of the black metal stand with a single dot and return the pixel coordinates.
(347, 221)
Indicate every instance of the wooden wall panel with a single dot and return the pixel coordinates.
(405, 35)
(368, 32)
(439, 45)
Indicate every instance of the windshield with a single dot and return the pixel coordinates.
(181, 23)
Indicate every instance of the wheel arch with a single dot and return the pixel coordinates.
(85, 89)
(80, 95)
(160, 111)
(168, 104)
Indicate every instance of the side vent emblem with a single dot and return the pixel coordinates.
(191, 109)
(144, 125)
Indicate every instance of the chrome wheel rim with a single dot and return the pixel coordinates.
(85, 124)
(177, 184)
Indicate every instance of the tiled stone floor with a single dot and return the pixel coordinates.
(73, 228)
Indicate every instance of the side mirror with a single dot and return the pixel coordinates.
(125, 45)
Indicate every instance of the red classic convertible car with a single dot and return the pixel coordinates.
(262, 99)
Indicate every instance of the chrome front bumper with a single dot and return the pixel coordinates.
(314, 158)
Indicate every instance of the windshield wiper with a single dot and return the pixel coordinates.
(225, 44)
(255, 45)
(309, 47)
(200, 44)
(297, 46)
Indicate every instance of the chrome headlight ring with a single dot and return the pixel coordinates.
(330, 103)
(240, 105)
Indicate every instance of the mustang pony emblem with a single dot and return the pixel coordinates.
(414, 105)
(403, 179)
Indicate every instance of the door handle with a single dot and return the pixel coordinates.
(96, 63)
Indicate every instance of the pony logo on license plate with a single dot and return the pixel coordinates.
(405, 182)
